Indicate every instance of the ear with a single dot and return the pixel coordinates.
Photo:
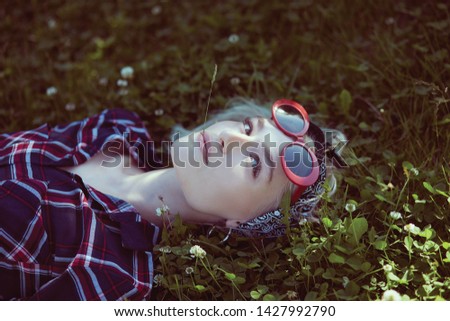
(232, 223)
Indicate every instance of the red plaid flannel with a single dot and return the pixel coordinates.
(59, 238)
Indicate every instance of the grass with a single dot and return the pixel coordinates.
(377, 70)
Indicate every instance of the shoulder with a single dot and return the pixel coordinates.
(103, 125)
(121, 114)
(114, 116)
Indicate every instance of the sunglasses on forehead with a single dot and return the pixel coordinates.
(298, 161)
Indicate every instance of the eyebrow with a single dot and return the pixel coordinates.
(270, 163)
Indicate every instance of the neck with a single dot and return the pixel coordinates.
(152, 190)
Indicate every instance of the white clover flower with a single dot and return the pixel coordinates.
(159, 112)
(350, 207)
(411, 228)
(292, 295)
(391, 295)
(395, 215)
(103, 81)
(389, 21)
(304, 220)
(387, 268)
(123, 92)
(197, 252)
(51, 23)
(70, 107)
(52, 91)
(345, 281)
(164, 209)
(235, 81)
(122, 83)
(233, 38)
(189, 270)
(156, 10)
(157, 279)
(127, 72)
(165, 249)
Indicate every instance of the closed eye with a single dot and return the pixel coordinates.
(248, 126)
(256, 164)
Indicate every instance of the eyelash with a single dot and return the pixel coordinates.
(257, 168)
(248, 123)
(248, 128)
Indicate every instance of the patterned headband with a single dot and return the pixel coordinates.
(271, 224)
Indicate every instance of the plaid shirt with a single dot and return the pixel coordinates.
(59, 238)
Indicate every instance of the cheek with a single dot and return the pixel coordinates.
(185, 152)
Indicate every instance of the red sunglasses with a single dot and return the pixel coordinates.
(299, 162)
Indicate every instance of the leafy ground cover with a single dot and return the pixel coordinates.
(377, 70)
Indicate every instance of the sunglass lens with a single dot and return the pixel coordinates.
(290, 118)
(298, 160)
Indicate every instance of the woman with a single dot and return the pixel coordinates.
(82, 204)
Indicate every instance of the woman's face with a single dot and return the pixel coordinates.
(231, 169)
